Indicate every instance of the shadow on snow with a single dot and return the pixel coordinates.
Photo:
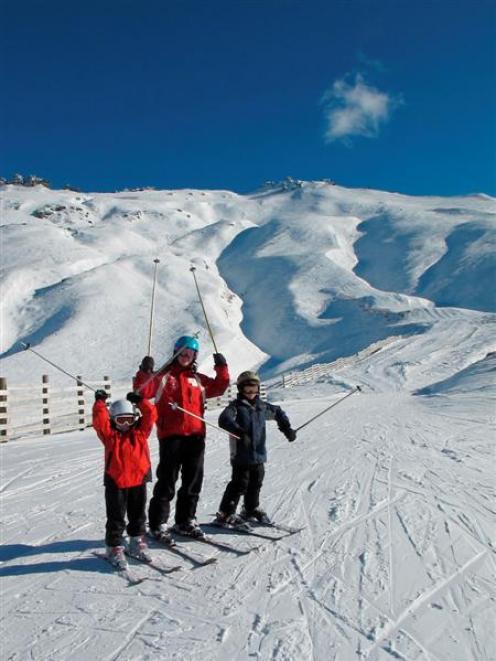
(13, 551)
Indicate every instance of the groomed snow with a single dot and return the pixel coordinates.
(396, 560)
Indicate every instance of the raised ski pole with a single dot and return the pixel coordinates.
(156, 261)
(164, 366)
(193, 269)
(27, 347)
(175, 407)
(355, 389)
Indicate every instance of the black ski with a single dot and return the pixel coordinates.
(280, 526)
(222, 546)
(245, 531)
(156, 566)
(125, 573)
(195, 560)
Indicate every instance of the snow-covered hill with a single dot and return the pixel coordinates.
(290, 276)
(395, 488)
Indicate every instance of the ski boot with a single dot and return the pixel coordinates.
(162, 535)
(189, 528)
(138, 548)
(115, 555)
(233, 521)
(256, 516)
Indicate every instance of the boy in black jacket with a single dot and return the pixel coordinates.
(245, 417)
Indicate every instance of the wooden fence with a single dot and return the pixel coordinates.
(312, 373)
(35, 410)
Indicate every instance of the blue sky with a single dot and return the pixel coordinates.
(392, 95)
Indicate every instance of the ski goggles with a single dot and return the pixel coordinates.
(124, 420)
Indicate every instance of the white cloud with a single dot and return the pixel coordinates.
(356, 109)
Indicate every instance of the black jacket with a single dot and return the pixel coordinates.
(248, 419)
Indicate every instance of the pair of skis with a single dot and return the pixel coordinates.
(128, 574)
(249, 530)
(197, 561)
(200, 561)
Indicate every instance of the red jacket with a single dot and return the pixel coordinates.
(140, 378)
(188, 389)
(127, 457)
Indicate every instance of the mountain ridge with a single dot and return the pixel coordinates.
(289, 277)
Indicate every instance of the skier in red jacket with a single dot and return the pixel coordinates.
(124, 433)
(181, 436)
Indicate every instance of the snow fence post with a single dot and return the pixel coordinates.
(107, 386)
(80, 403)
(4, 420)
(263, 392)
(45, 404)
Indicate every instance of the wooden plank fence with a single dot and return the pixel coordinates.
(312, 373)
(36, 410)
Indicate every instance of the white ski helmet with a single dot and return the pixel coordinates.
(122, 407)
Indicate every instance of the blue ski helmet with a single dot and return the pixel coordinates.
(186, 342)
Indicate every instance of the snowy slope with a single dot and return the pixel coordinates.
(480, 376)
(395, 486)
(396, 560)
(289, 277)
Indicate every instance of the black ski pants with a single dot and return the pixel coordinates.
(119, 502)
(184, 454)
(246, 480)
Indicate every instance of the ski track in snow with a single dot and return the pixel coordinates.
(396, 560)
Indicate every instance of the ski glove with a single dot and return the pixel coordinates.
(147, 364)
(219, 360)
(134, 397)
(290, 435)
(101, 395)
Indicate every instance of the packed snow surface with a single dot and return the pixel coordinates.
(394, 486)
(396, 560)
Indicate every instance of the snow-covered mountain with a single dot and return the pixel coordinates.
(394, 489)
(291, 275)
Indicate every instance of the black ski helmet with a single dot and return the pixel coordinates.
(247, 377)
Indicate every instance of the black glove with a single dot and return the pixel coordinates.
(147, 364)
(219, 360)
(246, 441)
(101, 395)
(134, 397)
(290, 435)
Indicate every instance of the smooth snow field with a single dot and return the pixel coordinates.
(396, 560)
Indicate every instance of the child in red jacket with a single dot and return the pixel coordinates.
(124, 433)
